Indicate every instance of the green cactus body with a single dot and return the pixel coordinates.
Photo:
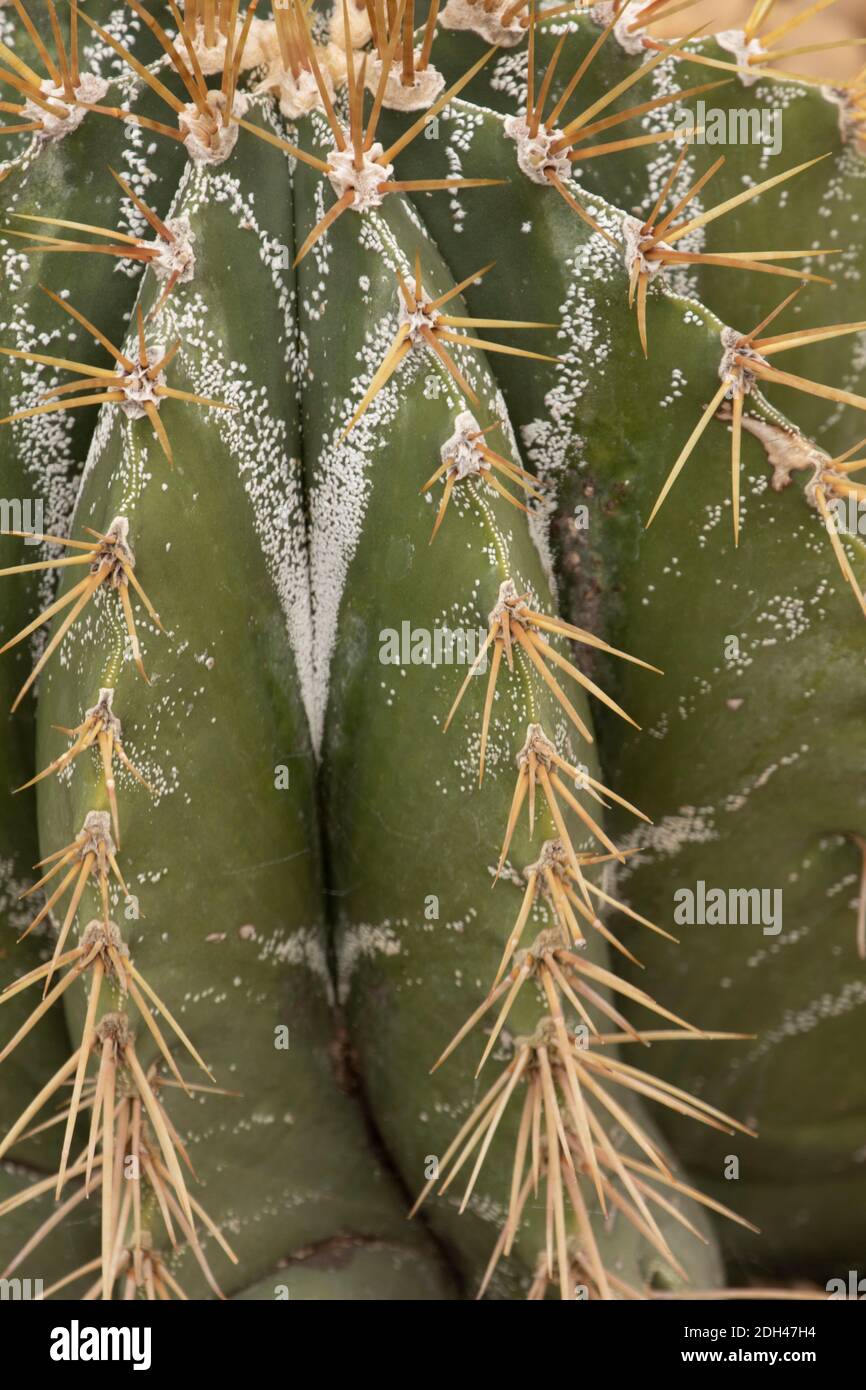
(399, 874)
(780, 592)
(274, 968)
(755, 130)
(356, 568)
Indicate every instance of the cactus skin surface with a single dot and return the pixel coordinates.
(386, 670)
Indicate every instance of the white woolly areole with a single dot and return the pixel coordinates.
(816, 483)
(139, 388)
(631, 40)
(106, 697)
(97, 828)
(733, 345)
(90, 89)
(788, 451)
(422, 92)
(208, 141)
(175, 257)
(461, 452)
(534, 152)
(297, 96)
(118, 534)
(507, 600)
(422, 316)
(851, 126)
(636, 242)
(490, 24)
(734, 41)
(332, 61)
(364, 182)
(262, 46)
(360, 32)
(103, 709)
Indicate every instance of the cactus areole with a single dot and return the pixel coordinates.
(432, 622)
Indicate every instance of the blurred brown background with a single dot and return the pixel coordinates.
(844, 20)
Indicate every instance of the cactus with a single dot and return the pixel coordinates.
(362, 779)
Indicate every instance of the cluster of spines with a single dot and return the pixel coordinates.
(565, 1074)
(760, 55)
(61, 76)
